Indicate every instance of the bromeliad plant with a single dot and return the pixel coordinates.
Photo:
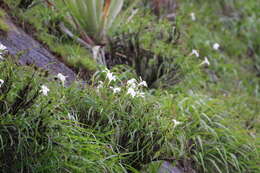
(92, 20)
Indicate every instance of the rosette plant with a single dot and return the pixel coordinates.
(92, 20)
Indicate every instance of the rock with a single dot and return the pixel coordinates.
(32, 52)
(167, 167)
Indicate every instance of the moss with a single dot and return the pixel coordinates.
(3, 26)
(72, 53)
(2, 13)
(42, 19)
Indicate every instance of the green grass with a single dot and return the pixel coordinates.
(138, 130)
(37, 134)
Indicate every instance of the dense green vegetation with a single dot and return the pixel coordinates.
(200, 109)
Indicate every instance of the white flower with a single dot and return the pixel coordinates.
(176, 123)
(193, 17)
(205, 62)
(72, 117)
(2, 48)
(110, 75)
(132, 83)
(131, 92)
(61, 77)
(195, 52)
(216, 46)
(1, 82)
(143, 83)
(44, 90)
(116, 89)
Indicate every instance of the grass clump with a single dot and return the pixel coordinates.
(209, 140)
(99, 129)
(37, 134)
(188, 129)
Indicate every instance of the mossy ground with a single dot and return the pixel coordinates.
(3, 26)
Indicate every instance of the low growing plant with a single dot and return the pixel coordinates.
(36, 130)
(91, 20)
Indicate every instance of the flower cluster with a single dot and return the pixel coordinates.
(132, 86)
(206, 62)
(44, 90)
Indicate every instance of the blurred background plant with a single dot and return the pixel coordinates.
(91, 20)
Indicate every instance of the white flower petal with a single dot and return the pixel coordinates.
(195, 52)
(131, 92)
(1, 82)
(193, 16)
(205, 62)
(111, 77)
(2, 48)
(72, 117)
(116, 89)
(44, 90)
(143, 83)
(176, 123)
(216, 46)
(132, 83)
(61, 77)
